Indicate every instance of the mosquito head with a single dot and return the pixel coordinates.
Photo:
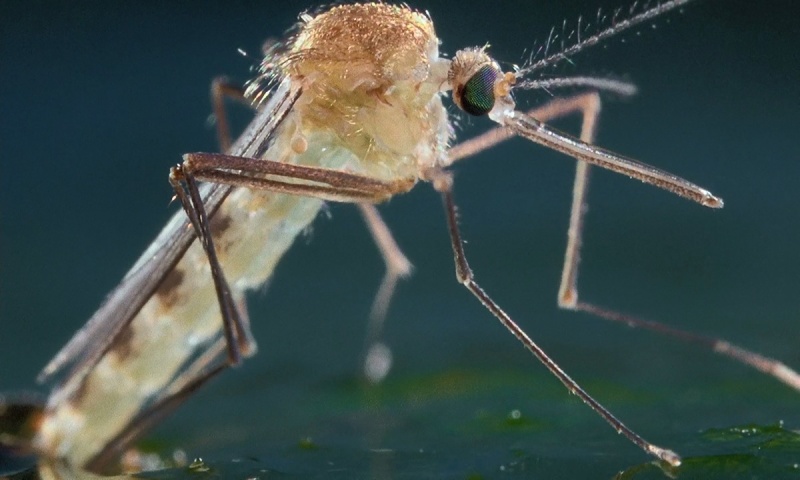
(479, 86)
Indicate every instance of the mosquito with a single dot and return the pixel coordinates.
(350, 109)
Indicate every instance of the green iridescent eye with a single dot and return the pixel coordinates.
(476, 97)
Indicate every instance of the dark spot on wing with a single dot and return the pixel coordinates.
(77, 396)
(123, 344)
(121, 347)
(168, 290)
(220, 223)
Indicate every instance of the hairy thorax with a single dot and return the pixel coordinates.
(372, 76)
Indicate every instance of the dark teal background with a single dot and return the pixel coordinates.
(98, 100)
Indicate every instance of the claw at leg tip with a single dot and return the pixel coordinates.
(672, 458)
(709, 200)
(378, 362)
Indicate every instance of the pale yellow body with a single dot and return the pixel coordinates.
(371, 80)
(356, 96)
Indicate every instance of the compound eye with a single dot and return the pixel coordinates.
(476, 96)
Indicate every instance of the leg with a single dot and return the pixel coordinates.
(378, 357)
(318, 182)
(284, 178)
(554, 109)
(235, 330)
(443, 184)
(568, 290)
(588, 105)
(221, 89)
(233, 326)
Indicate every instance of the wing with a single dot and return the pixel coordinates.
(121, 306)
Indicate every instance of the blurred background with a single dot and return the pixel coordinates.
(99, 99)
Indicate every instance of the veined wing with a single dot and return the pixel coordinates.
(91, 342)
